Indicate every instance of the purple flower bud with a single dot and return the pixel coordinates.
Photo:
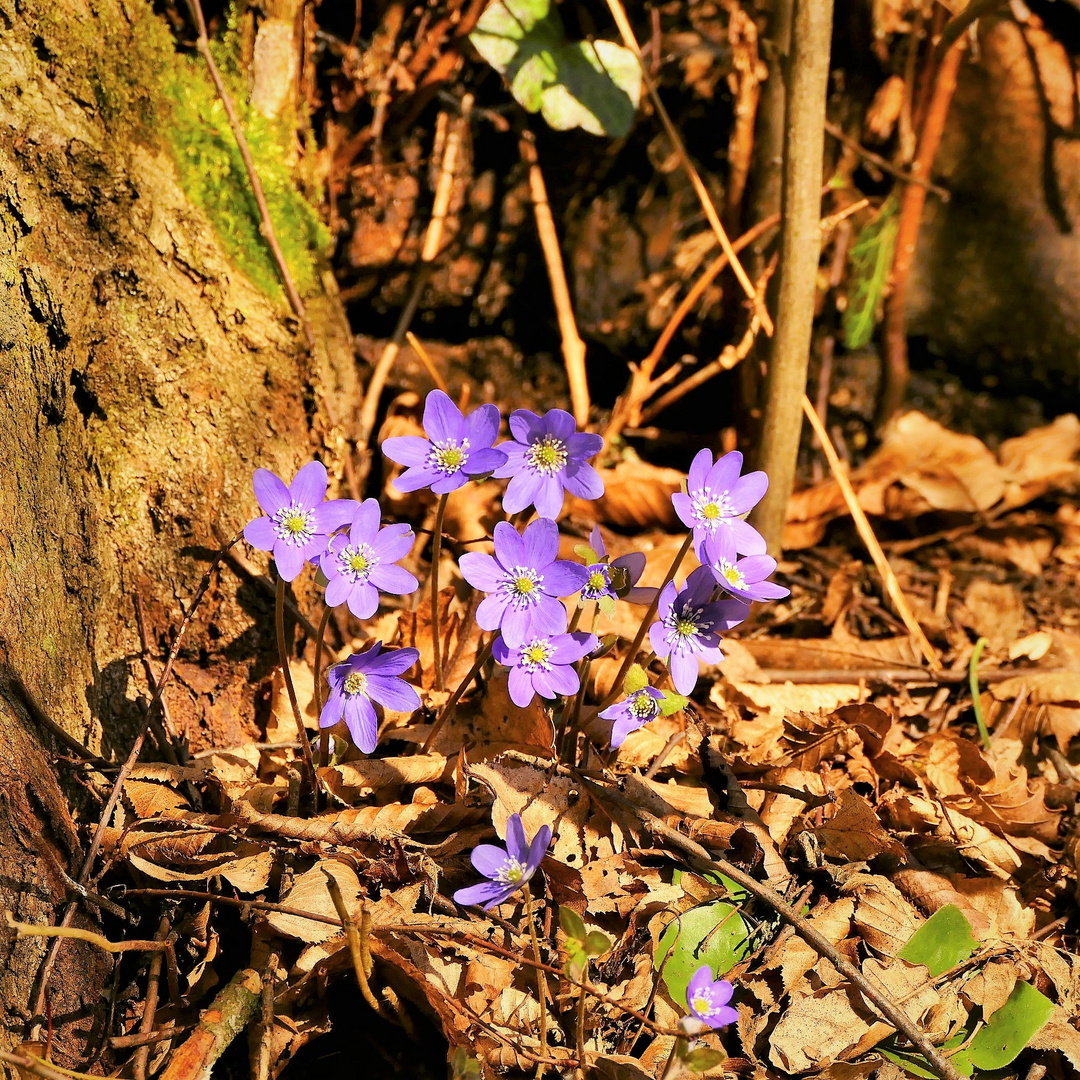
(708, 1000)
(298, 523)
(370, 676)
(547, 457)
(543, 665)
(507, 869)
(358, 565)
(523, 580)
(689, 627)
(456, 448)
(715, 500)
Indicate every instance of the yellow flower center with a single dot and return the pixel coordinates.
(524, 585)
(295, 521)
(547, 455)
(710, 511)
(358, 564)
(597, 582)
(686, 627)
(355, 683)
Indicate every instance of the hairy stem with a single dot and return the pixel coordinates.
(436, 552)
(973, 682)
(541, 980)
(286, 672)
(324, 734)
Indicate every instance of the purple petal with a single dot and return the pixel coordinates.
(718, 546)
(725, 473)
(584, 445)
(558, 680)
(547, 618)
(442, 418)
(481, 571)
(395, 580)
(516, 624)
(623, 727)
(541, 540)
(289, 560)
(684, 508)
(570, 648)
(619, 711)
(768, 590)
(362, 722)
(684, 670)
(732, 612)
(699, 470)
(393, 692)
(503, 654)
(747, 492)
(309, 485)
(260, 533)
(517, 843)
(391, 662)
(337, 590)
(658, 639)
(633, 564)
(415, 479)
(520, 686)
(560, 423)
(489, 613)
(699, 586)
(487, 894)
(701, 978)
(521, 491)
(663, 608)
(537, 850)
(509, 547)
(335, 514)
(270, 490)
(722, 991)
(515, 459)
(596, 541)
(484, 461)
(723, 1015)
(482, 427)
(489, 859)
(407, 449)
(583, 481)
(393, 542)
(365, 522)
(445, 484)
(363, 600)
(564, 578)
(748, 541)
(333, 709)
(640, 595)
(526, 426)
(549, 496)
(756, 567)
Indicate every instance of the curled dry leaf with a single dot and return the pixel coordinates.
(311, 893)
(637, 496)
(855, 832)
(358, 779)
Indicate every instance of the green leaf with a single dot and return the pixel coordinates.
(870, 262)
(672, 703)
(577, 961)
(571, 922)
(596, 944)
(703, 1058)
(915, 1064)
(586, 554)
(1010, 1029)
(713, 934)
(594, 85)
(942, 942)
(606, 605)
(635, 680)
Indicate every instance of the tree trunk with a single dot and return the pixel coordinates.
(143, 378)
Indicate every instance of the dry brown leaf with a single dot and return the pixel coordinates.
(995, 612)
(311, 893)
(1032, 647)
(884, 919)
(636, 496)
(1041, 460)
(991, 985)
(359, 779)
(855, 833)
(780, 811)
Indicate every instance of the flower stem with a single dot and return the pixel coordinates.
(616, 688)
(286, 672)
(541, 982)
(436, 552)
(455, 697)
(973, 682)
(671, 1058)
(324, 733)
(579, 1032)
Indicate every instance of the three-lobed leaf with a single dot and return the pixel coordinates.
(942, 942)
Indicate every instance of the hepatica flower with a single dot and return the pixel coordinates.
(745, 578)
(546, 457)
(367, 677)
(362, 562)
(506, 869)
(689, 627)
(523, 580)
(297, 522)
(543, 665)
(707, 999)
(456, 449)
(609, 581)
(632, 713)
(715, 500)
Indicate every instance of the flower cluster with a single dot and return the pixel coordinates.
(526, 585)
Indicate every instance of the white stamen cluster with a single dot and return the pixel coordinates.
(709, 508)
(295, 524)
(449, 456)
(510, 873)
(548, 455)
(522, 585)
(356, 562)
(537, 654)
(355, 683)
(599, 583)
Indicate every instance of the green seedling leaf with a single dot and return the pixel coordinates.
(915, 1064)
(606, 604)
(870, 261)
(596, 944)
(1010, 1029)
(586, 554)
(672, 703)
(594, 85)
(635, 680)
(571, 923)
(702, 1059)
(713, 934)
(942, 942)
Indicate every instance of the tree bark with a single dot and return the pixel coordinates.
(142, 379)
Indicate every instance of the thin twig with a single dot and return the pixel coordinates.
(153, 986)
(436, 556)
(541, 979)
(956, 26)
(425, 359)
(42, 979)
(884, 164)
(455, 697)
(361, 966)
(573, 347)
(700, 858)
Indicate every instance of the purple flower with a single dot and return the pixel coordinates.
(546, 457)
(689, 627)
(507, 869)
(366, 677)
(615, 579)
(716, 497)
(708, 1000)
(543, 665)
(745, 578)
(298, 523)
(457, 448)
(633, 712)
(524, 580)
(358, 565)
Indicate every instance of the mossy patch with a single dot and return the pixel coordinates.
(129, 67)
